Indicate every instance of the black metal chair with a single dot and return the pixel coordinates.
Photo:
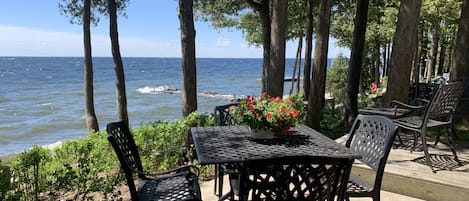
(177, 184)
(371, 137)
(438, 113)
(294, 178)
(223, 118)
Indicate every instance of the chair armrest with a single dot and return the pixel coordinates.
(397, 104)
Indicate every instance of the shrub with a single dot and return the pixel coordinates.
(78, 169)
(336, 77)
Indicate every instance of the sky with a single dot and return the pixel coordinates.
(151, 29)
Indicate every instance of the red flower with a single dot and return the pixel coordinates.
(374, 87)
(269, 115)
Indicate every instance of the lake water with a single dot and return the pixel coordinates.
(42, 98)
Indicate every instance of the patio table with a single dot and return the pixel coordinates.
(233, 144)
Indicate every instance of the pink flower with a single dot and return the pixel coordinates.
(374, 87)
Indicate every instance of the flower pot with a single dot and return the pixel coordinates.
(262, 134)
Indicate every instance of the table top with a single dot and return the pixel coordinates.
(232, 144)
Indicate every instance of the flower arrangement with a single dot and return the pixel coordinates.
(266, 113)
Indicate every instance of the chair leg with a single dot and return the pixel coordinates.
(427, 155)
(221, 174)
(450, 143)
(437, 138)
(416, 138)
(399, 136)
(377, 196)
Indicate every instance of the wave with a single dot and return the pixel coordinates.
(172, 90)
(219, 96)
(158, 90)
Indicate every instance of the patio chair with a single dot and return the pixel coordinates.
(371, 137)
(438, 114)
(294, 178)
(223, 118)
(177, 184)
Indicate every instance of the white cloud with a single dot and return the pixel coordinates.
(223, 42)
(21, 41)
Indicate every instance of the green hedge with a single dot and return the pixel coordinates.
(78, 168)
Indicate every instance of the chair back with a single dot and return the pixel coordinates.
(295, 178)
(124, 145)
(443, 104)
(223, 116)
(371, 137)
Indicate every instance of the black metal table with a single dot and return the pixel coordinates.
(233, 144)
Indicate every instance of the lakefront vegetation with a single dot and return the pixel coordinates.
(88, 169)
(398, 41)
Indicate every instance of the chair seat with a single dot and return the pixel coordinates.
(179, 186)
(416, 122)
(357, 186)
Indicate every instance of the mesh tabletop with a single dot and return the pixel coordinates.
(232, 144)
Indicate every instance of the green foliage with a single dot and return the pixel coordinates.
(242, 15)
(74, 9)
(26, 171)
(336, 77)
(4, 180)
(78, 169)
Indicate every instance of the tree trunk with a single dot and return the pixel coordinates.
(414, 73)
(118, 66)
(91, 120)
(264, 15)
(460, 59)
(433, 52)
(376, 58)
(317, 90)
(297, 64)
(189, 92)
(423, 53)
(278, 35)
(401, 60)
(385, 60)
(441, 59)
(388, 57)
(308, 51)
(356, 60)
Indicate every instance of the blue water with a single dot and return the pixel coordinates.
(42, 99)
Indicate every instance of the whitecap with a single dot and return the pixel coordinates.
(157, 90)
(218, 96)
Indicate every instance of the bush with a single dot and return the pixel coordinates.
(80, 168)
(336, 78)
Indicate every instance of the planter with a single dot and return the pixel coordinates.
(262, 134)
